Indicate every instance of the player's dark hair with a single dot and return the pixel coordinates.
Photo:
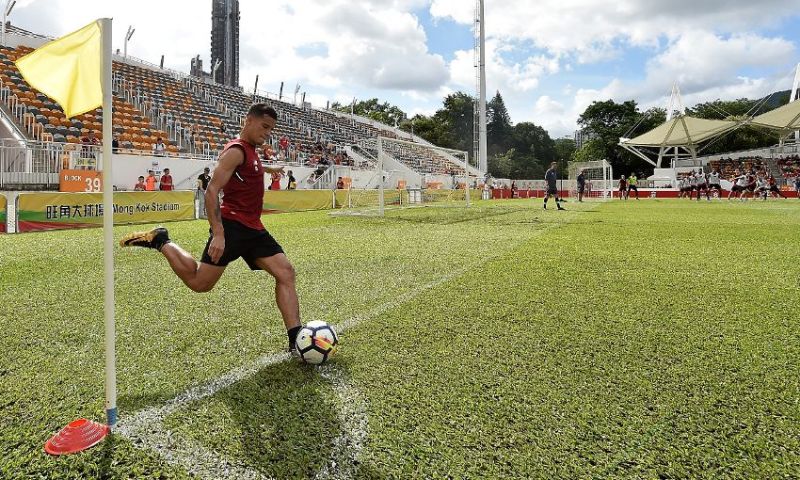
(261, 110)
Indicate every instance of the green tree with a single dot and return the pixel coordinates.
(498, 125)
(608, 121)
(373, 108)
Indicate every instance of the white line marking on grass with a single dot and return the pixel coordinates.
(354, 424)
(146, 428)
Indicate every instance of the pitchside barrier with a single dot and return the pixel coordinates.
(56, 210)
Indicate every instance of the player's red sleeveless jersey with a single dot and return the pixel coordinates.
(243, 195)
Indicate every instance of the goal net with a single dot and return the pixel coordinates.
(599, 179)
(405, 175)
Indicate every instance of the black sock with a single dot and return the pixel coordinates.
(292, 334)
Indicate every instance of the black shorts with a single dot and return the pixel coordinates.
(245, 242)
(632, 187)
(552, 191)
(714, 186)
(580, 188)
(737, 188)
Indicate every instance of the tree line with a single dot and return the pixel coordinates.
(525, 150)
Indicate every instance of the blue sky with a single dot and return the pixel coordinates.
(549, 58)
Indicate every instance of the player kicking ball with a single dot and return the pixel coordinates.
(236, 229)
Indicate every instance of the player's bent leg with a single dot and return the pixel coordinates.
(285, 291)
(199, 277)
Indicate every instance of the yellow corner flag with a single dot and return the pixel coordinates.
(68, 70)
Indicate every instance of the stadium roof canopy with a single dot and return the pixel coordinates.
(785, 118)
(681, 135)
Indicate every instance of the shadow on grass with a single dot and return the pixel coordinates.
(285, 419)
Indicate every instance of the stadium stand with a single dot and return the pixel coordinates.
(789, 167)
(193, 116)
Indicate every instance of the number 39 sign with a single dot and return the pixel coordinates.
(80, 181)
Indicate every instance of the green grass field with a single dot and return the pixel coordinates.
(652, 339)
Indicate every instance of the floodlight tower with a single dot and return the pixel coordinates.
(479, 134)
(127, 38)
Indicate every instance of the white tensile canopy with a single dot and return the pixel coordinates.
(785, 118)
(683, 132)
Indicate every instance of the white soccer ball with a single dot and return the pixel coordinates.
(316, 342)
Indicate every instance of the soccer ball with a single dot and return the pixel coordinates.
(316, 342)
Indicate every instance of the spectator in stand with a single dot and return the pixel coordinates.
(115, 145)
(283, 147)
(166, 181)
(140, 185)
(292, 183)
(276, 181)
(89, 143)
(340, 184)
(150, 181)
(159, 148)
(269, 153)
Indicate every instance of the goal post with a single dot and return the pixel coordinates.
(599, 179)
(408, 174)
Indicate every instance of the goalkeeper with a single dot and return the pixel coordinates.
(552, 189)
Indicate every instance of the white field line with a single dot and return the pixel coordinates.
(146, 428)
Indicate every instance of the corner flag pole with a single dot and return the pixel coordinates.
(108, 228)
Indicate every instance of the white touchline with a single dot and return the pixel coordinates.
(145, 429)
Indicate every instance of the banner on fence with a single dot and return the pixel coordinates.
(53, 211)
(3, 216)
(281, 201)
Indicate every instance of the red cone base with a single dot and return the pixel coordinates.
(76, 437)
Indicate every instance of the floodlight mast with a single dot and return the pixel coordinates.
(6, 12)
(128, 36)
(481, 25)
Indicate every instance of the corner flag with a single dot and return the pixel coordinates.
(75, 71)
(68, 70)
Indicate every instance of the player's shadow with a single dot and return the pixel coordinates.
(286, 418)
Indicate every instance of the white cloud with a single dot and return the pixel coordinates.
(341, 49)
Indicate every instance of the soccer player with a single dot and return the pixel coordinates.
(633, 184)
(681, 187)
(701, 185)
(750, 186)
(761, 187)
(623, 188)
(714, 183)
(797, 186)
(772, 187)
(581, 185)
(236, 228)
(550, 177)
(739, 184)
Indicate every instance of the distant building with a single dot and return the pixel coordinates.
(582, 136)
(225, 41)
